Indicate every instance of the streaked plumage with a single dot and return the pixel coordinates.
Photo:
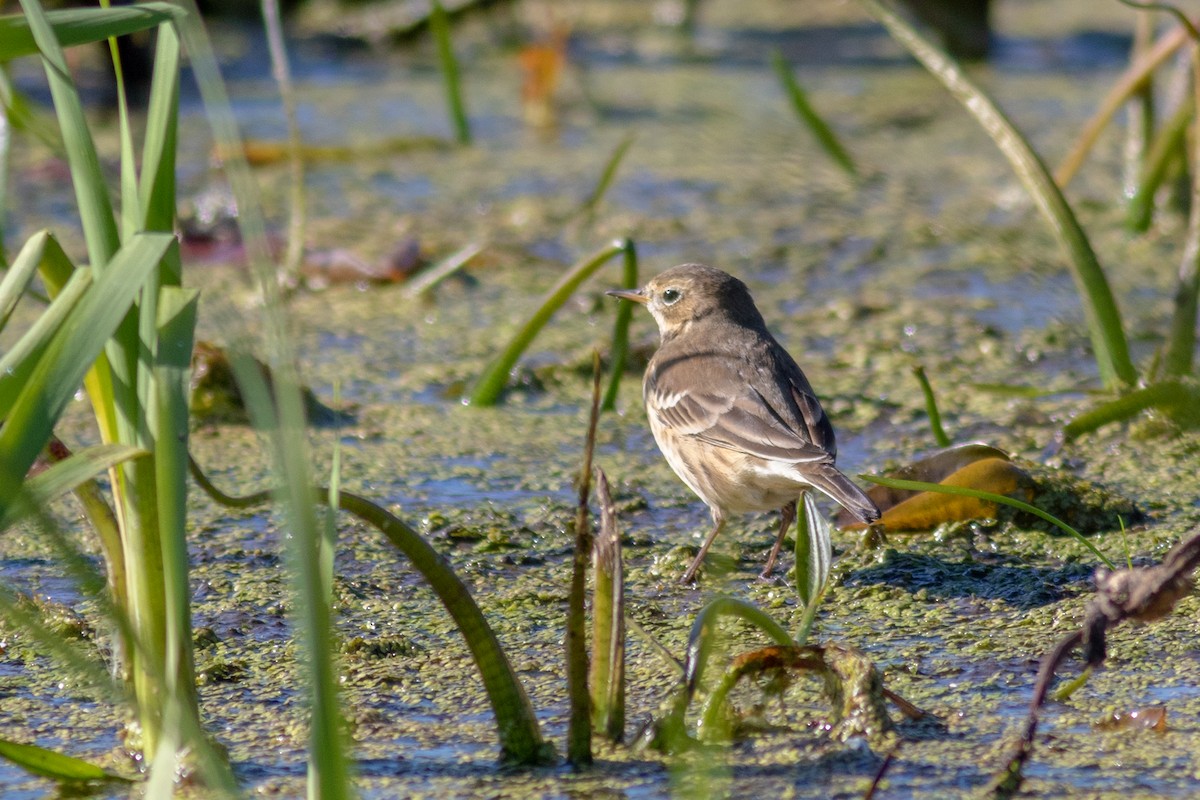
(730, 409)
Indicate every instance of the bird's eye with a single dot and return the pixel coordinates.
(671, 296)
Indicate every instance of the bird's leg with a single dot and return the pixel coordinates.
(694, 567)
(787, 515)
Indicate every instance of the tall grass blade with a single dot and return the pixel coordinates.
(283, 79)
(491, 384)
(276, 410)
(439, 23)
(91, 193)
(520, 737)
(70, 354)
(963, 491)
(20, 273)
(172, 370)
(1104, 320)
(620, 338)
(820, 129)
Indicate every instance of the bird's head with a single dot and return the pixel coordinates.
(690, 293)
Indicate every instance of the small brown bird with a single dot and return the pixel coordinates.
(733, 414)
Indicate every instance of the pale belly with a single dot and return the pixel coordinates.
(730, 480)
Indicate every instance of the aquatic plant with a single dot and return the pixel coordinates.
(1109, 343)
(491, 383)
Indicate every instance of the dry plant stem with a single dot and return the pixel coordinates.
(283, 77)
(579, 728)
(1142, 594)
(1125, 88)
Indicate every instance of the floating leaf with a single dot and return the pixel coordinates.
(1151, 718)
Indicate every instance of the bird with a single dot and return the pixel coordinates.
(731, 410)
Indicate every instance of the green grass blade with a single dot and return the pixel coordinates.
(91, 193)
(963, 491)
(491, 384)
(276, 411)
(931, 408)
(19, 274)
(1174, 397)
(66, 476)
(156, 189)
(814, 551)
(72, 351)
(808, 115)
(606, 177)
(56, 766)
(704, 631)
(439, 24)
(77, 26)
(1164, 151)
(520, 738)
(620, 338)
(172, 371)
(1103, 318)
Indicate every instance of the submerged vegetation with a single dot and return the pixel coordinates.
(889, 627)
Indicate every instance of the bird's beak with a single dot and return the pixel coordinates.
(629, 294)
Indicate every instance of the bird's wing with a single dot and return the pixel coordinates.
(724, 401)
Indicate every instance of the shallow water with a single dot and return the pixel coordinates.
(931, 258)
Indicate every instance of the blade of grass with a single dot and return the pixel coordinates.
(65, 476)
(71, 353)
(1181, 341)
(283, 79)
(1170, 396)
(75, 26)
(520, 738)
(427, 279)
(1164, 151)
(1110, 348)
(620, 338)
(825, 136)
(704, 631)
(491, 384)
(963, 491)
(56, 766)
(931, 407)
(814, 551)
(593, 200)
(95, 206)
(439, 24)
(177, 310)
(276, 410)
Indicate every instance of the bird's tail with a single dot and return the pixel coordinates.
(828, 480)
